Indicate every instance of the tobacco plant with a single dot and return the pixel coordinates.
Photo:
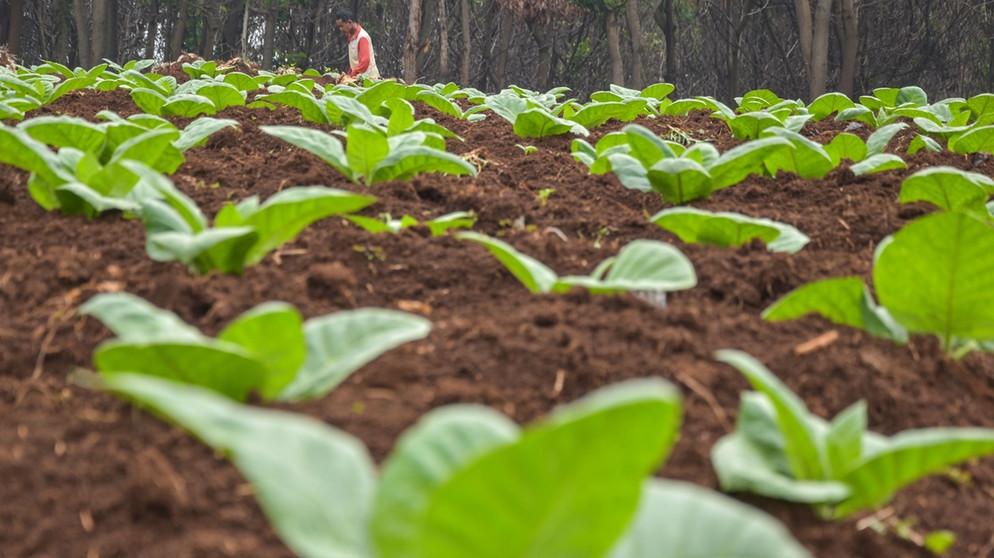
(642, 265)
(781, 450)
(466, 481)
(385, 223)
(269, 349)
(729, 229)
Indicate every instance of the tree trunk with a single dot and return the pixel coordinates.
(228, 46)
(11, 34)
(466, 45)
(443, 43)
(153, 29)
(81, 14)
(506, 32)
(179, 31)
(410, 59)
(104, 25)
(543, 69)
(269, 39)
(803, 14)
(429, 21)
(818, 78)
(663, 16)
(245, 17)
(850, 48)
(614, 48)
(638, 47)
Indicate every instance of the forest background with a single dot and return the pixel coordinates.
(721, 48)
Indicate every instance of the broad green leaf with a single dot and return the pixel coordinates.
(223, 367)
(595, 114)
(937, 130)
(20, 150)
(737, 163)
(377, 226)
(154, 148)
(272, 334)
(322, 509)
(742, 467)
(568, 487)
(923, 142)
(373, 97)
(281, 217)
(879, 139)
(729, 229)
(340, 343)
(439, 103)
(861, 113)
(201, 129)
(364, 150)
(76, 198)
(977, 140)
(802, 445)
(982, 104)
(189, 105)
(629, 171)
(222, 95)
(406, 162)
(324, 145)
(878, 163)
(133, 319)
(911, 94)
(646, 146)
(642, 265)
(401, 116)
(846, 146)
(907, 457)
(310, 108)
(223, 249)
(844, 301)
(241, 81)
(539, 123)
(681, 107)
(426, 456)
(158, 186)
(844, 440)
(749, 125)
(533, 274)
(454, 220)
(937, 276)
(679, 180)
(947, 187)
(657, 91)
(808, 159)
(682, 520)
(827, 104)
(66, 131)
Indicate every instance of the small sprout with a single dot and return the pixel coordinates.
(543, 195)
(371, 252)
(528, 149)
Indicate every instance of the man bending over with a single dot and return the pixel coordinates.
(361, 58)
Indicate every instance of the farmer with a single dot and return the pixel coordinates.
(361, 58)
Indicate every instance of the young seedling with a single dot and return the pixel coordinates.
(438, 226)
(269, 349)
(466, 481)
(780, 450)
(642, 265)
(729, 229)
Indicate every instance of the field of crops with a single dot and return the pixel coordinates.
(489, 272)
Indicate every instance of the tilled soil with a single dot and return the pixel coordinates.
(85, 474)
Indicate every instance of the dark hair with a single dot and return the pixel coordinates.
(344, 15)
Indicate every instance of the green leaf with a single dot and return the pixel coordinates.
(657, 91)
(322, 510)
(200, 129)
(241, 81)
(20, 150)
(223, 367)
(66, 131)
(802, 445)
(439, 103)
(533, 274)
(977, 140)
(729, 229)
(844, 440)
(310, 108)
(132, 319)
(153, 185)
(947, 187)
(406, 162)
(642, 265)
(749, 125)
(939, 542)
(222, 95)
(937, 276)
(878, 163)
(567, 488)
(879, 139)
(737, 163)
(426, 456)
(286, 213)
(844, 301)
(365, 149)
(829, 103)
(223, 249)
(401, 116)
(76, 198)
(454, 220)
(373, 97)
(808, 159)
(272, 334)
(340, 343)
(682, 520)
(846, 146)
(629, 171)
(322, 144)
(189, 105)
(911, 94)
(539, 123)
(907, 457)
(679, 180)
(154, 148)
(646, 146)
(923, 142)
(980, 105)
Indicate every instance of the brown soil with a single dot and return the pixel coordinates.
(85, 474)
